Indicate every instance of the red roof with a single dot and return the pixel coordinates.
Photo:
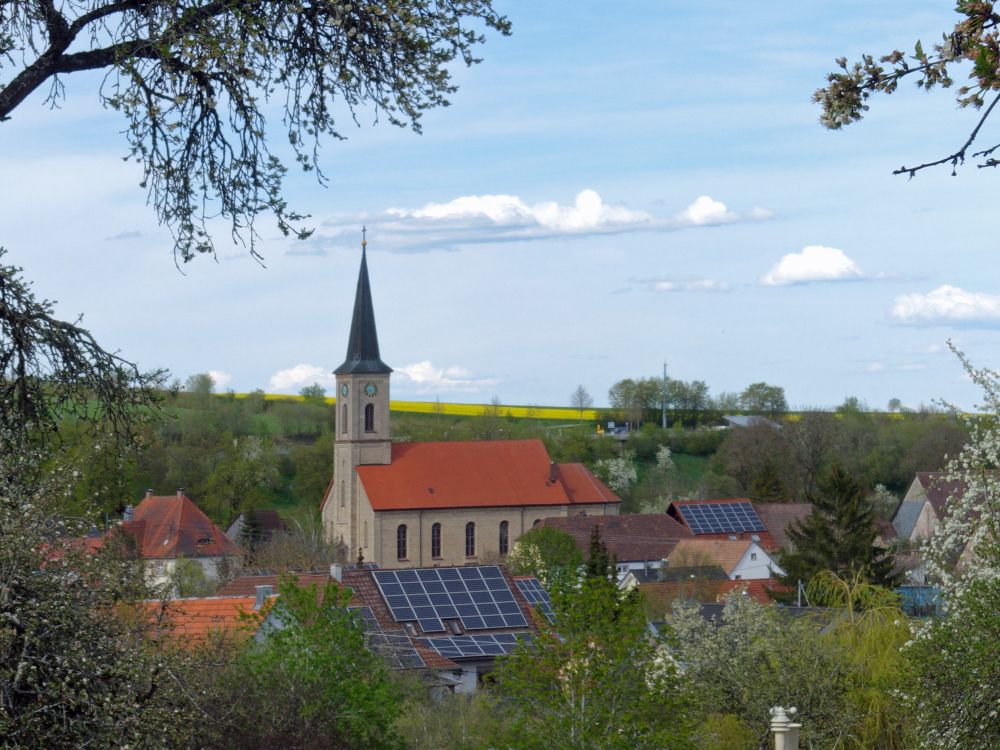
(661, 595)
(196, 618)
(475, 474)
(630, 538)
(777, 517)
(173, 526)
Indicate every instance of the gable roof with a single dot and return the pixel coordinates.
(173, 526)
(268, 522)
(661, 596)
(362, 345)
(763, 538)
(906, 517)
(194, 619)
(475, 474)
(722, 552)
(939, 489)
(630, 538)
(778, 516)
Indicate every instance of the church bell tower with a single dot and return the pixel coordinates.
(362, 422)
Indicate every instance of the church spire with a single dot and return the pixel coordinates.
(362, 346)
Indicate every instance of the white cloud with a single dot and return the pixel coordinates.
(472, 219)
(220, 378)
(946, 304)
(875, 367)
(425, 377)
(696, 285)
(813, 263)
(300, 376)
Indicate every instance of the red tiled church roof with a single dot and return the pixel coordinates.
(475, 474)
(173, 526)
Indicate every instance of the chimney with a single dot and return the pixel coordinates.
(180, 492)
(127, 515)
(149, 493)
(262, 593)
(552, 472)
(337, 572)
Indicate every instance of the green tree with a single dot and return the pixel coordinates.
(957, 688)
(972, 42)
(872, 633)
(244, 477)
(194, 80)
(314, 393)
(757, 657)
(761, 398)
(55, 376)
(600, 682)
(76, 669)
(548, 554)
(456, 721)
(838, 536)
(310, 682)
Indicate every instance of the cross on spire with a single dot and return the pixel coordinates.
(364, 237)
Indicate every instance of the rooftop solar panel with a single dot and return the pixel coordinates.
(537, 596)
(395, 648)
(473, 646)
(720, 518)
(430, 595)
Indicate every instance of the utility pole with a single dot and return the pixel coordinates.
(663, 399)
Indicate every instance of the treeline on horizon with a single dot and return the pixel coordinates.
(233, 453)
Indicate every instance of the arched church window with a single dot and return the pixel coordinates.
(504, 537)
(343, 418)
(436, 540)
(370, 418)
(470, 539)
(401, 542)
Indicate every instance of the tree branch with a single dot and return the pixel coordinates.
(959, 156)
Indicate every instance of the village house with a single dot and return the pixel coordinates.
(452, 621)
(167, 530)
(406, 505)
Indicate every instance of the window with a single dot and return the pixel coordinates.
(470, 539)
(504, 537)
(753, 555)
(370, 418)
(436, 540)
(343, 418)
(343, 493)
(537, 523)
(401, 542)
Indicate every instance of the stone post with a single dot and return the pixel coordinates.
(786, 733)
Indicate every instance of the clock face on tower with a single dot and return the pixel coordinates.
(370, 390)
(343, 389)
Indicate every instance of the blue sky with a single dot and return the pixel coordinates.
(614, 186)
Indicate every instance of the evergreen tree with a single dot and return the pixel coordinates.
(838, 536)
(600, 564)
(767, 486)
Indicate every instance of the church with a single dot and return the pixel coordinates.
(404, 505)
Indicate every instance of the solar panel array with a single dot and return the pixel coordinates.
(537, 596)
(479, 596)
(467, 646)
(395, 648)
(720, 518)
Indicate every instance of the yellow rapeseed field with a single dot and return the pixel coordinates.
(465, 410)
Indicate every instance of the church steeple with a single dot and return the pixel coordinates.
(362, 346)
